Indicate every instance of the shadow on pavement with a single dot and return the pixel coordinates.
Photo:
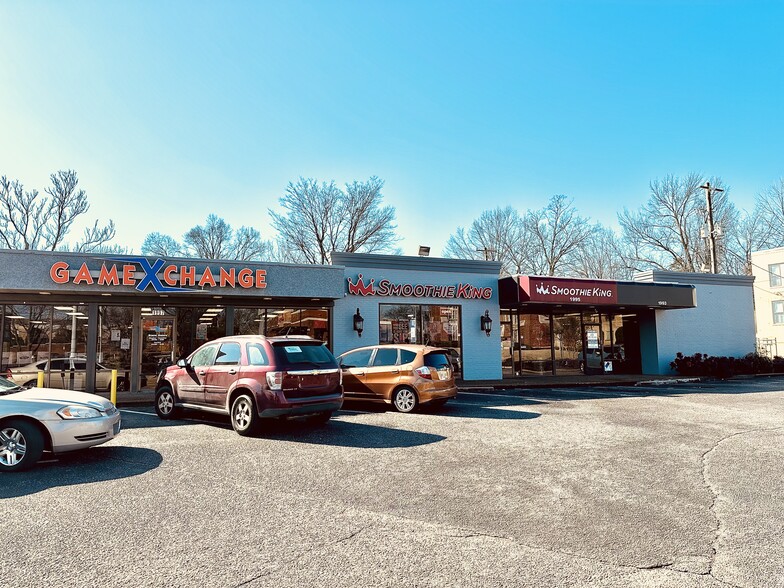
(96, 464)
(345, 433)
(484, 409)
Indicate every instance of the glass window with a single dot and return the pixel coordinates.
(437, 360)
(312, 322)
(385, 356)
(776, 272)
(204, 356)
(398, 323)
(256, 354)
(437, 325)
(568, 346)
(115, 328)
(299, 352)
(228, 354)
(359, 358)
(407, 356)
(534, 340)
(778, 312)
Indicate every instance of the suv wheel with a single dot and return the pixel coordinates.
(404, 400)
(165, 407)
(321, 418)
(244, 419)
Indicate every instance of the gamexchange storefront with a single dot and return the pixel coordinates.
(78, 316)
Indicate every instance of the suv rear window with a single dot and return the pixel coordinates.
(302, 352)
(437, 360)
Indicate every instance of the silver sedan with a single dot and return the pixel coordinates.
(42, 419)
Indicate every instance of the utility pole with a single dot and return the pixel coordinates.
(709, 190)
(488, 253)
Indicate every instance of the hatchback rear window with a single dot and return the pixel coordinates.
(437, 360)
(298, 352)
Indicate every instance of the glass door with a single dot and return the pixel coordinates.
(158, 345)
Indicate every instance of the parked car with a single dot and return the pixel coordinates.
(7, 387)
(404, 376)
(594, 358)
(59, 371)
(251, 378)
(42, 419)
(454, 360)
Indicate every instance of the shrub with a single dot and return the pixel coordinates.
(701, 364)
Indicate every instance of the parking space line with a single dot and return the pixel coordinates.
(138, 412)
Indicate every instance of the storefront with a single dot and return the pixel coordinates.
(560, 326)
(76, 317)
(450, 303)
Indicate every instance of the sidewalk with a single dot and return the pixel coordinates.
(147, 397)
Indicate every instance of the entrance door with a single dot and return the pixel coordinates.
(592, 348)
(158, 345)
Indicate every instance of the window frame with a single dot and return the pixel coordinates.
(776, 274)
(778, 317)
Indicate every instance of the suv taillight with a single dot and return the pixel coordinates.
(424, 372)
(275, 380)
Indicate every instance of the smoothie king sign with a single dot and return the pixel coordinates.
(143, 273)
(559, 290)
(384, 287)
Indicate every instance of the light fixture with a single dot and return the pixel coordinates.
(214, 310)
(45, 293)
(359, 323)
(63, 307)
(486, 322)
(146, 309)
(14, 316)
(424, 250)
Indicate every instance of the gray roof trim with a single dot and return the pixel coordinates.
(415, 263)
(663, 276)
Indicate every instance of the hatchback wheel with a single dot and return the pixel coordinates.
(164, 403)
(244, 419)
(21, 445)
(404, 400)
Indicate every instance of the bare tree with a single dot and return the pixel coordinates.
(496, 235)
(557, 231)
(668, 232)
(771, 210)
(29, 220)
(216, 239)
(320, 218)
(600, 256)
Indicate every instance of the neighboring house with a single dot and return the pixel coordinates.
(768, 269)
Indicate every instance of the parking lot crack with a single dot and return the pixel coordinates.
(718, 529)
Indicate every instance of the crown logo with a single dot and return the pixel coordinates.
(360, 288)
(541, 289)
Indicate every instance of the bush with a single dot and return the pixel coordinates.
(701, 364)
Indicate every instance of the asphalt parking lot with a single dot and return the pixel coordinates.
(670, 486)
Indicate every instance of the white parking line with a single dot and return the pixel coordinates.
(137, 412)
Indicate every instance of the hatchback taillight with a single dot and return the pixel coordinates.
(275, 380)
(424, 372)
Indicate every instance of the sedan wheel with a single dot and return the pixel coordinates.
(165, 407)
(21, 445)
(404, 400)
(244, 419)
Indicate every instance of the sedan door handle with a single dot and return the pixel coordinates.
(232, 371)
(201, 373)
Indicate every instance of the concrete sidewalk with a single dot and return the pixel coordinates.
(147, 397)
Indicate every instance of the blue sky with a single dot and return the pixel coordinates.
(170, 111)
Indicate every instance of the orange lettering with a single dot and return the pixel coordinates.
(245, 278)
(167, 275)
(207, 278)
(128, 275)
(261, 278)
(107, 277)
(187, 274)
(59, 272)
(228, 278)
(83, 275)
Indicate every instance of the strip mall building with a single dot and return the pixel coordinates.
(77, 316)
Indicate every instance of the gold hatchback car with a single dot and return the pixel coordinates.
(404, 376)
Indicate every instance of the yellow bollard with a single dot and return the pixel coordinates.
(114, 388)
(40, 382)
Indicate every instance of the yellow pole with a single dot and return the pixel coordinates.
(40, 382)
(114, 387)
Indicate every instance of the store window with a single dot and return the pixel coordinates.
(26, 339)
(437, 325)
(778, 312)
(115, 332)
(776, 271)
(311, 322)
(535, 344)
(567, 339)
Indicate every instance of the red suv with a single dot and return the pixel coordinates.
(251, 378)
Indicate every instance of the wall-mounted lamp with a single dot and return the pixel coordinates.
(359, 323)
(486, 323)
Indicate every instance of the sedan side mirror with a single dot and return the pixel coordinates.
(182, 363)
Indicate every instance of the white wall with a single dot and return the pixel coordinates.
(764, 295)
(721, 324)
